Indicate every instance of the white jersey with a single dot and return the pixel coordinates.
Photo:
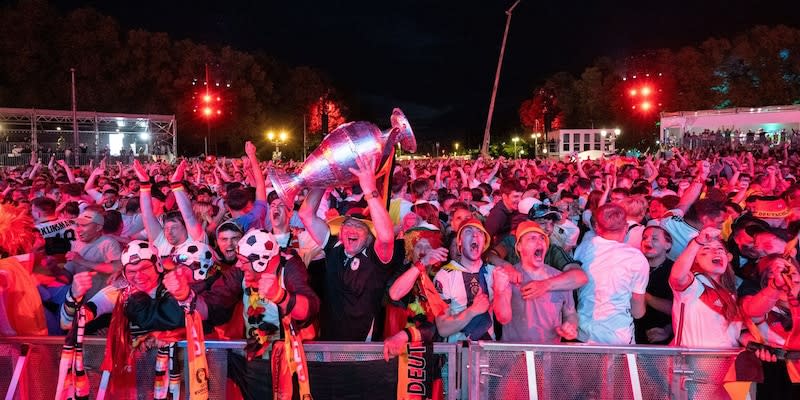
(616, 271)
(449, 281)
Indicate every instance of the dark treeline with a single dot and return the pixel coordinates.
(757, 68)
(142, 72)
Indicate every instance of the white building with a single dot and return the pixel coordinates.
(565, 141)
(769, 119)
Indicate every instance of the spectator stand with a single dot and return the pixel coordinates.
(50, 132)
(730, 126)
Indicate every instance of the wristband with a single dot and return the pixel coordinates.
(175, 186)
(144, 185)
(187, 303)
(279, 297)
(413, 334)
(70, 300)
(371, 195)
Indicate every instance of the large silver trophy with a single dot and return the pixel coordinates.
(329, 164)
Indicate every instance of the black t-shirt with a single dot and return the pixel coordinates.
(658, 286)
(354, 291)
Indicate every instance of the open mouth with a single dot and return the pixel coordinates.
(473, 246)
(717, 261)
(352, 240)
(538, 253)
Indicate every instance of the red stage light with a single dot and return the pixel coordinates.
(645, 91)
(206, 98)
(646, 105)
(633, 92)
(207, 111)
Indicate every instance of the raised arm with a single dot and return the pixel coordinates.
(405, 282)
(90, 187)
(681, 275)
(384, 238)
(581, 172)
(692, 193)
(438, 182)
(193, 226)
(68, 170)
(316, 227)
(261, 189)
(502, 296)
(151, 224)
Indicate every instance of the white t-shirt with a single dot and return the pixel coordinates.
(565, 234)
(449, 281)
(634, 235)
(681, 232)
(702, 326)
(616, 271)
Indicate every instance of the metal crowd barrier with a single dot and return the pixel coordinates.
(39, 380)
(481, 370)
(576, 371)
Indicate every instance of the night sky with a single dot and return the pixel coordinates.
(436, 59)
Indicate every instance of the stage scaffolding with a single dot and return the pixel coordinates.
(27, 130)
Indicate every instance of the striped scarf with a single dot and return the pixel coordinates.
(73, 383)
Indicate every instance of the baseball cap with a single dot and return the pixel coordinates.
(527, 203)
(90, 216)
(544, 211)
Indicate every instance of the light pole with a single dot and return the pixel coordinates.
(603, 134)
(485, 147)
(75, 151)
(276, 139)
(515, 140)
(535, 137)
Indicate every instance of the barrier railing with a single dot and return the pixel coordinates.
(334, 367)
(577, 371)
(482, 370)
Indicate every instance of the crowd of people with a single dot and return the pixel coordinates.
(739, 137)
(692, 248)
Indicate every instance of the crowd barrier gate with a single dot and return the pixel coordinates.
(477, 370)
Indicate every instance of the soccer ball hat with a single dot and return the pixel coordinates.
(260, 248)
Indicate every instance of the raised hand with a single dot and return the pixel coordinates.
(141, 173)
(250, 149)
(81, 283)
(179, 172)
(435, 256)
(177, 282)
(365, 173)
(707, 235)
(268, 286)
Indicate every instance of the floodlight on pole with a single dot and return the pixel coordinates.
(485, 146)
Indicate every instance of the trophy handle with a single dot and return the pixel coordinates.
(402, 132)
